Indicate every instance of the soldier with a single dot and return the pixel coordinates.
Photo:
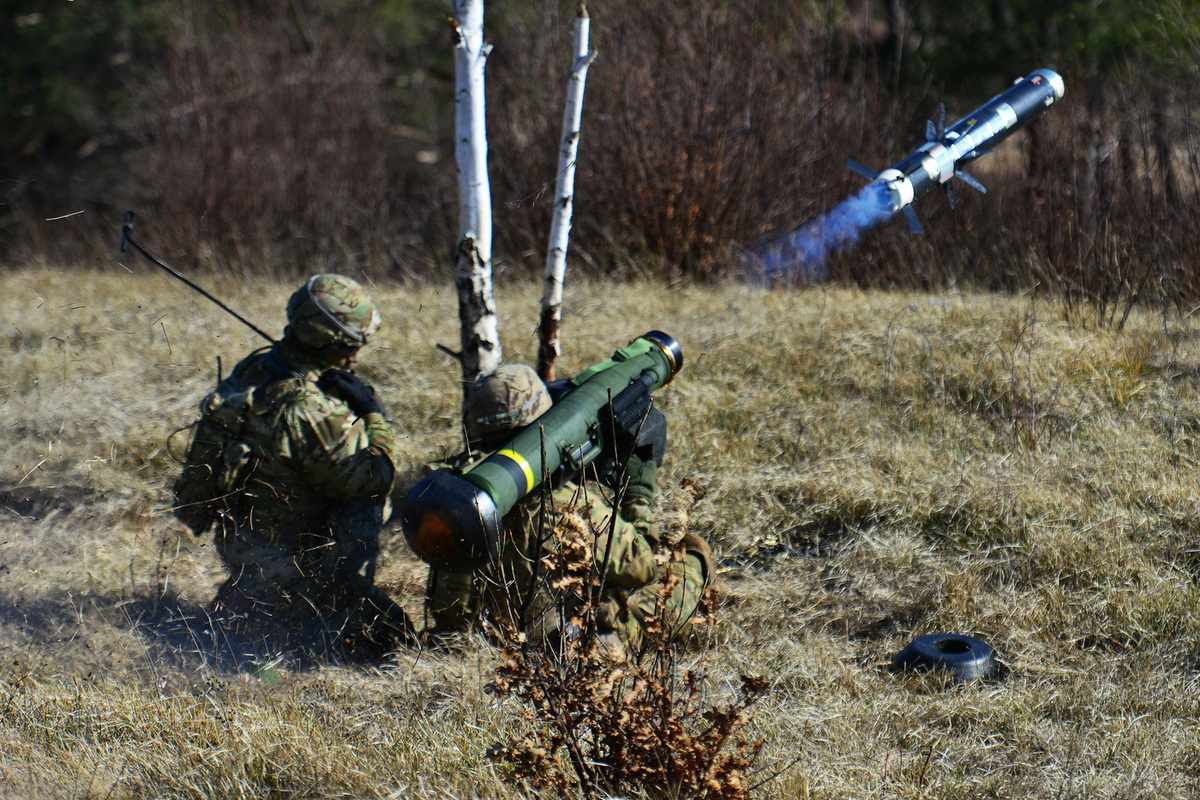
(292, 463)
(513, 593)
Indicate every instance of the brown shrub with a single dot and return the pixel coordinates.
(285, 134)
(271, 144)
(621, 722)
(704, 126)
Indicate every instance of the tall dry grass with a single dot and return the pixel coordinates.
(878, 466)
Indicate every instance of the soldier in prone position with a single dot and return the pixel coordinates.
(291, 464)
(512, 592)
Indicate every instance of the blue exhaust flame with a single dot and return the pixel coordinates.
(799, 256)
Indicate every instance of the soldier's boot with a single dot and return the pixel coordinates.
(375, 626)
(450, 602)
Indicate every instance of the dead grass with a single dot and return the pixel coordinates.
(878, 466)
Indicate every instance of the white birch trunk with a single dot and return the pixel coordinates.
(560, 226)
(480, 337)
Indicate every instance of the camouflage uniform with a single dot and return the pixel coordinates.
(636, 575)
(299, 532)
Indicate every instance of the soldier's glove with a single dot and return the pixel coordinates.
(352, 390)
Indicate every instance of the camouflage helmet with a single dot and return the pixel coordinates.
(506, 399)
(331, 311)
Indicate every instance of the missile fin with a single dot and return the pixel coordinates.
(950, 196)
(931, 131)
(970, 180)
(913, 223)
(854, 166)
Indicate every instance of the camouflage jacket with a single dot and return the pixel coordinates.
(311, 455)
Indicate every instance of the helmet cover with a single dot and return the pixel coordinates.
(331, 311)
(505, 400)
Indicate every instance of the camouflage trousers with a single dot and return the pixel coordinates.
(672, 602)
(313, 584)
(453, 600)
(544, 573)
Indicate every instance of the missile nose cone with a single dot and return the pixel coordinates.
(1056, 82)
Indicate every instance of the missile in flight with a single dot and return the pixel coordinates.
(945, 150)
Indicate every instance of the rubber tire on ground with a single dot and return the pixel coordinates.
(963, 658)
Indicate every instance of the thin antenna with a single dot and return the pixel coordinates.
(127, 240)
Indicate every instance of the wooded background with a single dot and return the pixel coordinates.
(282, 136)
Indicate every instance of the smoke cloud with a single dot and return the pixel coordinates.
(800, 256)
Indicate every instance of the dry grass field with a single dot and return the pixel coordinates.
(878, 466)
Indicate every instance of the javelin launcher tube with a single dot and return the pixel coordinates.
(452, 518)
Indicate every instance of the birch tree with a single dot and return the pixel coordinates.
(560, 225)
(480, 338)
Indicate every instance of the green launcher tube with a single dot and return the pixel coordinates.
(452, 518)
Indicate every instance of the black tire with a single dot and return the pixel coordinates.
(964, 658)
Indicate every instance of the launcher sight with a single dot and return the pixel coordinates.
(452, 518)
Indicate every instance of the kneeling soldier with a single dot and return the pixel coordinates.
(512, 592)
(292, 463)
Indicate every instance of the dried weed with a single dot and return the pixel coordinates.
(853, 508)
(621, 722)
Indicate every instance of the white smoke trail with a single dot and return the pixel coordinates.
(799, 256)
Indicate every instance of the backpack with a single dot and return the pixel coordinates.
(218, 459)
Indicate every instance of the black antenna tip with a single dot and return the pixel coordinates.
(126, 229)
